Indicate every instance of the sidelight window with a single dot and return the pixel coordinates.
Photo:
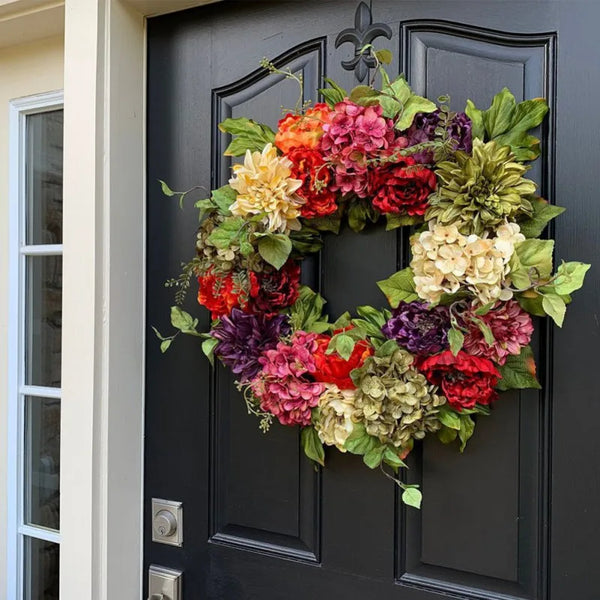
(36, 147)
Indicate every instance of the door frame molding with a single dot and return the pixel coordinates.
(104, 296)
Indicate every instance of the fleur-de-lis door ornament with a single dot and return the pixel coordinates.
(364, 32)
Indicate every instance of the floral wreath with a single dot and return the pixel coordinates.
(459, 328)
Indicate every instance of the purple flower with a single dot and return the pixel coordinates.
(244, 338)
(419, 329)
(423, 130)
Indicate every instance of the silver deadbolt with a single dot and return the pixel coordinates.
(167, 522)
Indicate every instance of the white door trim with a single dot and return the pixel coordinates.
(104, 297)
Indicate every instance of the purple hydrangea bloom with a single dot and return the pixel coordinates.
(419, 329)
(423, 130)
(244, 338)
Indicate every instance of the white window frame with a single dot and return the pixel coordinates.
(19, 109)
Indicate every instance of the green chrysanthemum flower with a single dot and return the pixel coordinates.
(479, 192)
(395, 402)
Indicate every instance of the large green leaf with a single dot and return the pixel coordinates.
(555, 307)
(467, 427)
(508, 123)
(569, 277)
(499, 117)
(249, 135)
(400, 287)
(275, 249)
(531, 258)
(313, 447)
(543, 213)
(476, 116)
(518, 372)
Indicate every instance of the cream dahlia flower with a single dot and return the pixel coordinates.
(334, 424)
(265, 186)
(444, 260)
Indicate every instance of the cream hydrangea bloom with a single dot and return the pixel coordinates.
(265, 186)
(335, 416)
(444, 260)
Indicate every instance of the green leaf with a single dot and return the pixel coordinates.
(359, 441)
(391, 458)
(569, 277)
(485, 309)
(164, 345)
(329, 223)
(518, 372)
(307, 312)
(250, 135)
(344, 320)
(530, 255)
(524, 146)
(275, 249)
(412, 497)
(313, 447)
(224, 197)
(467, 426)
(387, 349)
(343, 344)
(182, 320)
(531, 302)
(374, 457)
(447, 435)
(166, 190)
(529, 114)
(394, 221)
(384, 56)
(227, 232)
(362, 91)
(456, 340)
(159, 335)
(333, 94)
(543, 213)
(208, 347)
(555, 307)
(449, 418)
(400, 287)
(498, 118)
(414, 104)
(476, 116)
(488, 336)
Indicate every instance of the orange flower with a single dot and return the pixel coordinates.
(295, 131)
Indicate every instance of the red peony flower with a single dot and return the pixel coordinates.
(221, 293)
(275, 290)
(332, 368)
(465, 380)
(309, 167)
(402, 187)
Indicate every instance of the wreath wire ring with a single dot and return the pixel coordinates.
(459, 328)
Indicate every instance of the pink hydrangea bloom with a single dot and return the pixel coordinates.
(281, 385)
(511, 327)
(353, 136)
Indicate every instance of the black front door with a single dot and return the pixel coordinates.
(516, 516)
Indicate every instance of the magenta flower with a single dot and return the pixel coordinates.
(511, 327)
(354, 136)
(283, 387)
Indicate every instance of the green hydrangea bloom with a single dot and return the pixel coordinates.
(395, 402)
(479, 192)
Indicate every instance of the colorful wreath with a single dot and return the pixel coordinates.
(459, 328)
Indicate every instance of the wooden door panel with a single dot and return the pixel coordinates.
(259, 521)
